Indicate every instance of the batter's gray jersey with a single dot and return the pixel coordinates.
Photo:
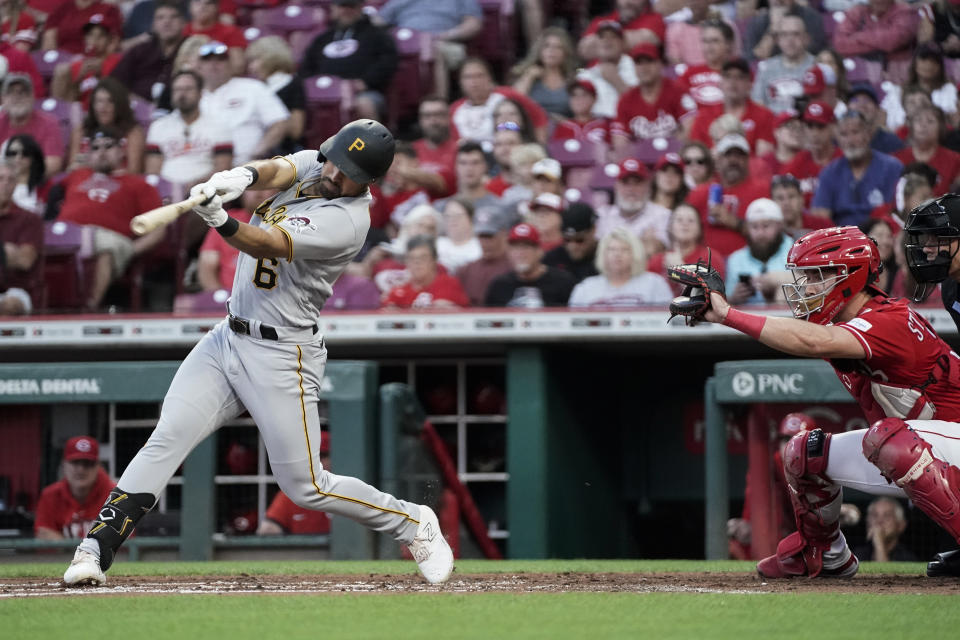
(325, 235)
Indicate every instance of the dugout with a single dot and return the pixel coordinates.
(754, 382)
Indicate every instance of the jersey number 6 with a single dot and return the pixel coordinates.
(265, 277)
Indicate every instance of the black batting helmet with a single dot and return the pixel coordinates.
(933, 224)
(362, 149)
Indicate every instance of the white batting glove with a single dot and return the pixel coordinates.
(212, 212)
(229, 184)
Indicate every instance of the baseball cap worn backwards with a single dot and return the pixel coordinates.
(578, 217)
(81, 448)
(763, 209)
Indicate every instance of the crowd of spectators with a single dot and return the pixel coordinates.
(613, 146)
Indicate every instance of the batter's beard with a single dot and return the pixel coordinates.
(325, 187)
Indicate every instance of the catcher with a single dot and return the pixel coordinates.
(904, 377)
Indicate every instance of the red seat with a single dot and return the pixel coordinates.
(47, 61)
(64, 113)
(413, 79)
(62, 267)
(652, 149)
(329, 102)
(573, 153)
(496, 42)
(863, 70)
(286, 19)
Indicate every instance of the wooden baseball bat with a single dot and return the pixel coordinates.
(162, 216)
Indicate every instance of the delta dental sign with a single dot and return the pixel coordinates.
(51, 386)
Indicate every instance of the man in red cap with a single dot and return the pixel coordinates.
(641, 24)
(284, 516)
(656, 108)
(65, 26)
(820, 149)
(69, 507)
(757, 120)
(584, 126)
(76, 80)
(530, 284)
(545, 214)
(633, 209)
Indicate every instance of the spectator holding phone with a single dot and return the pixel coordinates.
(756, 271)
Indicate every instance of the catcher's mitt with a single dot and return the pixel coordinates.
(698, 281)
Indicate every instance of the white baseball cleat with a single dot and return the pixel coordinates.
(430, 550)
(84, 570)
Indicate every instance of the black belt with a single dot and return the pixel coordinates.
(242, 326)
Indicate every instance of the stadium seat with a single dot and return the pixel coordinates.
(329, 102)
(863, 70)
(652, 149)
(62, 267)
(203, 302)
(300, 41)
(413, 78)
(496, 42)
(573, 153)
(142, 111)
(47, 61)
(604, 176)
(286, 19)
(951, 67)
(66, 113)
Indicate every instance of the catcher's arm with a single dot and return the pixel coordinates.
(790, 335)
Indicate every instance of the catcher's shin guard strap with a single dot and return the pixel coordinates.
(747, 323)
(117, 518)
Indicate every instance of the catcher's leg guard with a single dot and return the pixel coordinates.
(816, 506)
(907, 460)
(118, 516)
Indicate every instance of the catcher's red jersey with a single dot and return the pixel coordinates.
(902, 350)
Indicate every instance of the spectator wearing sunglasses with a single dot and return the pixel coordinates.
(205, 20)
(248, 107)
(23, 151)
(697, 164)
(69, 507)
(577, 255)
(19, 115)
(104, 198)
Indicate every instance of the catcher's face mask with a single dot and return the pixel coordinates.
(813, 295)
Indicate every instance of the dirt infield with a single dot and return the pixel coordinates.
(484, 583)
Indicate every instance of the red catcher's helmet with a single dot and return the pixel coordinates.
(829, 266)
(794, 423)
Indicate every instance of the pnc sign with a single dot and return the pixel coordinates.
(746, 384)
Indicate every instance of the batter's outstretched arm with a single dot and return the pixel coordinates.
(790, 335)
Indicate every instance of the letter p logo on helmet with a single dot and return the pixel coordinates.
(356, 145)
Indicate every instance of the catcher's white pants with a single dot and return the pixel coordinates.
(848, 467)
(278, 382)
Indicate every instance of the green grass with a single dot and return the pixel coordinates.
(484, 616)
(441, 616)
(221, 568)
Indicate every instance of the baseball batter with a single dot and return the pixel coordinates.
(268, 356)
